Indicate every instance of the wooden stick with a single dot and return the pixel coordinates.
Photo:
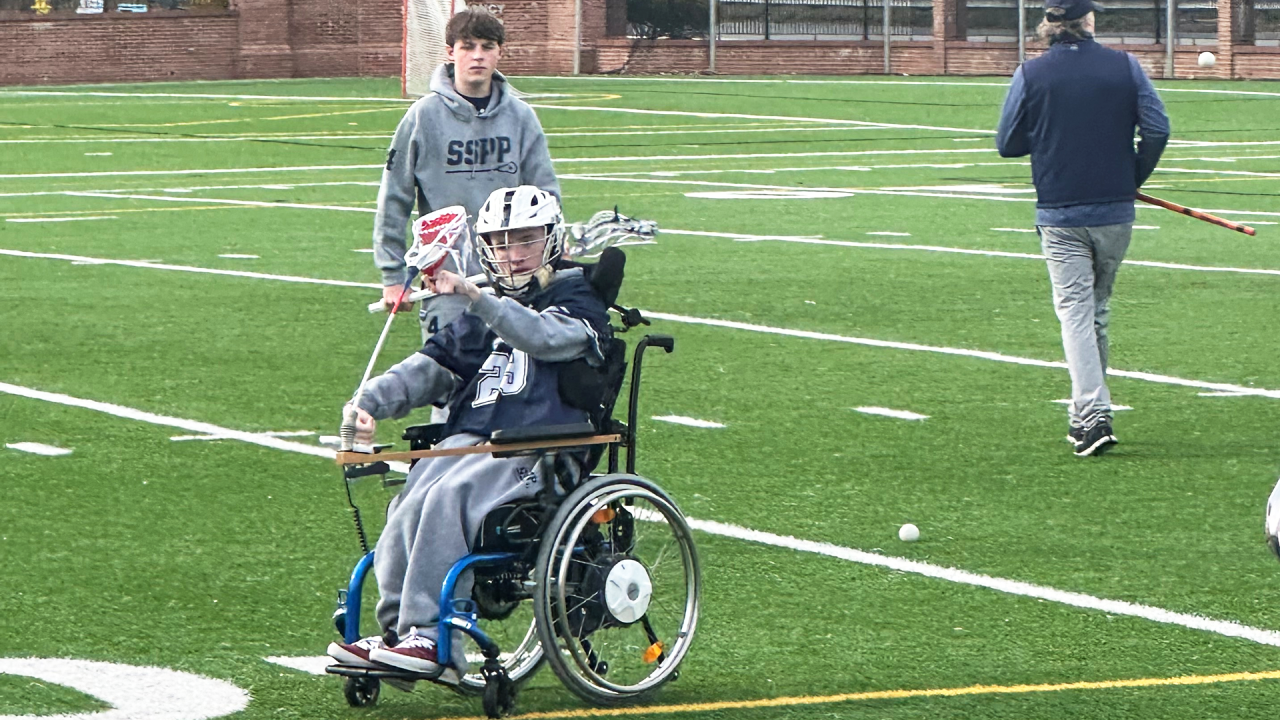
(355, 458)
(1197, 214)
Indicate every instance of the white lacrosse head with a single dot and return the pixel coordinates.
(1272, 525)
(604, 230)
(507, 213)
(438, 236)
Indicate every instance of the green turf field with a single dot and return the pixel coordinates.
(827, 245)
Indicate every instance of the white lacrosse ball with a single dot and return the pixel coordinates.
(1273, 520)
(1206, 59)
(908, 533)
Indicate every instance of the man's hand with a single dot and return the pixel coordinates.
(365, 424)
(448, 283)
(389, 295)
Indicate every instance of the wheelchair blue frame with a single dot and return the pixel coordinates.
(455, 613)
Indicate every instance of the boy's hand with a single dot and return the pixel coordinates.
(365, 424)
(390, 294)
(448, 283)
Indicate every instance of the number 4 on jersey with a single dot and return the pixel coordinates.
(501, 374)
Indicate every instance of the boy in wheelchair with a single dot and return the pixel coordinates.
(496, 367)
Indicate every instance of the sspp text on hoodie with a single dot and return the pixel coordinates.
(445, 152)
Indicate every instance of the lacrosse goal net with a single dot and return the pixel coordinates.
(423, 45)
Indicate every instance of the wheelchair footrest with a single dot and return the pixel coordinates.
(380, 673)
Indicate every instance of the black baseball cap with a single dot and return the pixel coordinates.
(1071, 9)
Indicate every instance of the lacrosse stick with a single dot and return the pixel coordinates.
(436, 239)
(604, 230)
(423, 294)
(1197, 214)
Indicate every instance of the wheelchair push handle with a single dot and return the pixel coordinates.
(666, 342)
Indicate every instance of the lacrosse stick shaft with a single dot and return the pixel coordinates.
(416, 295)
(348, 430)
(1197, 214)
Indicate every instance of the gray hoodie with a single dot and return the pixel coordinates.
(446, 153)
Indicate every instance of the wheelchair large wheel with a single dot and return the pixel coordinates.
(517, 636)
(618, 588)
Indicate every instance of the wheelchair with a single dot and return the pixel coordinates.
(596, 576)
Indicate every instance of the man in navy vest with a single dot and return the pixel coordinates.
(1074, 110)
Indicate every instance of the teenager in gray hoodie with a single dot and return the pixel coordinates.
(470, 136)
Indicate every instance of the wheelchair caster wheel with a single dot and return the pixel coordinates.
(361, 692)
(499, 697)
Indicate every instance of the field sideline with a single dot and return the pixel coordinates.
(184, 270)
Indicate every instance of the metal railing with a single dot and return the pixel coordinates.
(823, 19)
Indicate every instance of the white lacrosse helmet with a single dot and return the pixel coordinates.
(517, 208)
(436, 236)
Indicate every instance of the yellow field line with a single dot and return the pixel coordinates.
(896, 695)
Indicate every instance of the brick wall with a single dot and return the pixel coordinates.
(253, 39)
(320, 38)
(85, 50)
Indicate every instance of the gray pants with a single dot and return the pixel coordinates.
(1082, 266)
(437, 312)
(431, 525)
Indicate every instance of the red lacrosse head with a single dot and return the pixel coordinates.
(435, 235)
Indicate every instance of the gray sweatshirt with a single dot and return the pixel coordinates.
(446, 153)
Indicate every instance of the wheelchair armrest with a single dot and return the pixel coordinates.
(421, 437)
(539, 433)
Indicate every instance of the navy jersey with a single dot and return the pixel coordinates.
(505, 387)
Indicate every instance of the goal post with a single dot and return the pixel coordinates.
(422, 48)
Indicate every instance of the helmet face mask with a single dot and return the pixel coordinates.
(521, 237)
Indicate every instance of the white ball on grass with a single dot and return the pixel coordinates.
(908, 533)
(1272, 526)
(1206, 59)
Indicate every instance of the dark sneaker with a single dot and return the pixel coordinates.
(1097, 440)
(1075, 436)
(357, 653)
(415, 653)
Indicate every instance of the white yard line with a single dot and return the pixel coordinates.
(238, 256)
(187, 268)
(203, 96)
(787, 189)
(211, 138)
(207, 171)
(691, 422)
(962, 352)
(889, 412)
(196, 188)
(61, 219)
(282, 433)
(1003, 585)
(712, 132)
(744, 116)
(747, 156)
(38, 449)
(221, 201)
(784, 81)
